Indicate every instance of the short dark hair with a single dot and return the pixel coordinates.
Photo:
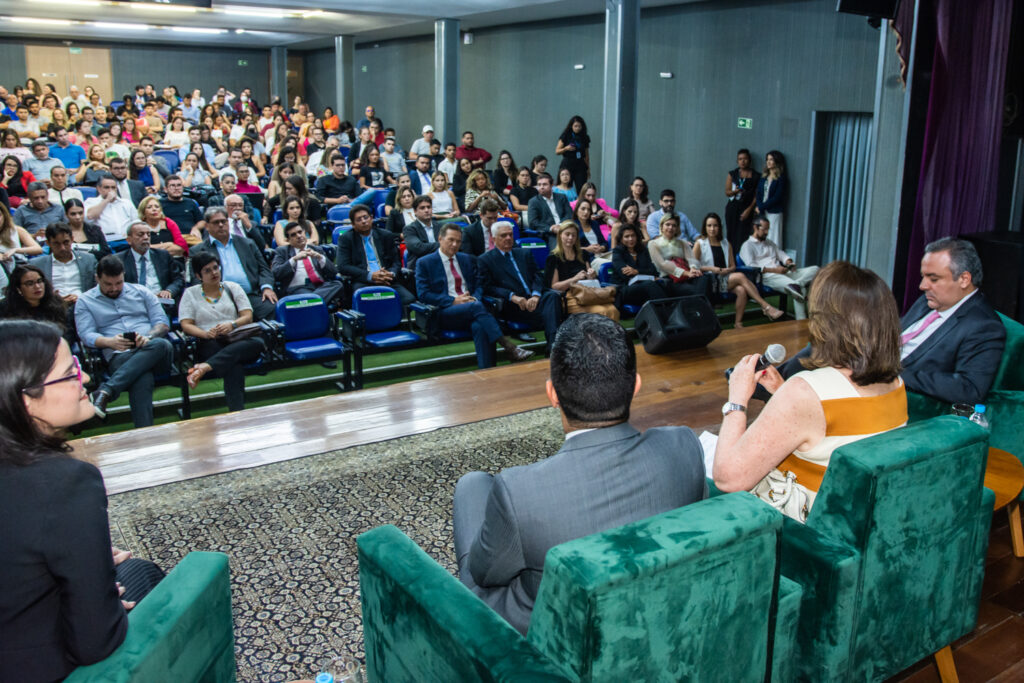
(202, 258)
(667, 193)
(35, 186)
(963, 257)
(488, 205)
(109, 265)
(467, 132)
(39, 143)
(445, 227)
(547, 175)
(296, 224)
(593, 370)
(336, 156)
(537, 159)
(359, 208)
(422, 199)
(53, 230)
(743, 150)
(422, 156)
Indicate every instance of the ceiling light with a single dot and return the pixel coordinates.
(121, 26)
(79, 3)
(34, 20)
(239, 30)
(160, 7)
(245, 11)
(190, 29)
(313, 13)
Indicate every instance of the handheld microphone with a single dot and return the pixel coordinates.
(773, 355)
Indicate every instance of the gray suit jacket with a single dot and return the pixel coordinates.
(597, 481)
(416, 242)
(85, 261)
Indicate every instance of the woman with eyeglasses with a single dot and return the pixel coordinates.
(66, 591)
(30, 295)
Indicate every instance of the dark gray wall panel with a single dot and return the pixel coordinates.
(397, 78)
(191, 67)
(519, 87)
(318, 80)
(773, 62)
(12, 64)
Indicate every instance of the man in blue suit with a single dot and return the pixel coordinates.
(447, 279)
(511, 275)
(420, 176)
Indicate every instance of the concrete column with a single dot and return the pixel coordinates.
(279, 75)
(344, 77)
(446, 79)
(618, 131)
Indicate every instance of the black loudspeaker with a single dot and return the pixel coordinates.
(885, 9)
(685, 322)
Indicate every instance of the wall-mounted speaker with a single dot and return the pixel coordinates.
(870, 8)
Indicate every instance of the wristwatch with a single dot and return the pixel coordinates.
(730, 407)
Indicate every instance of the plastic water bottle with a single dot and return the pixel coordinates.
(978, 416)
(324, 677)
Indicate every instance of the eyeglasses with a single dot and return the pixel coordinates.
(33, 283)
(76, 375)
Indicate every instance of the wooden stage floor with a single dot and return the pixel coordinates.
(686, 387)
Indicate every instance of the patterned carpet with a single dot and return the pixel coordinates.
(290, 529)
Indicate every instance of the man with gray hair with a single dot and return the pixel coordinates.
(241, 262)
(952, 339)
(35, 214)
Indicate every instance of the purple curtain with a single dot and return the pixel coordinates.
(959, 164)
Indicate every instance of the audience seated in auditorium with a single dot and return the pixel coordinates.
(70, 271)
(778, 271)
(668, 206)
(301, 267)
(401, 213)
(339, 187)
(638, 192)
(523, 191)
(294, 211)
(128, 325)
(674, 260)
(714, 256)
(41, 162)
(606, 474)
(368, 256)
(444, 204)
(30, 295)
(420, 175)
(853, 367)
(591, 240)
(449, 280)
(155, 269)
(93, 168)
(478, 188)
(15, 180)
(184, 211)
(564, 184)
(449, 165)
(62, 605)
(952, 340)
(547, 210)
(510, 274)
(59, 191)
(603, 213)
(633, 271)
(478, 156)
(210, 311)
(164, 233)
(566, 267)
(421, 146)
(241, 262)
(629, 213)
(477, 238)
(113, 214)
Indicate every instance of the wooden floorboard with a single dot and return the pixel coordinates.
(685, 387)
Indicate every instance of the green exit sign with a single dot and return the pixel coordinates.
(745, 123)
(243, 62)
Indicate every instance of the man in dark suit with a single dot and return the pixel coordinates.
(477, 238)
(511, 275)
(419, 177)
(132, 190)
(241, 262)
(448, 279)
(300, 267)
(952, 339)
(154, 269)
(547, 210)
(421, 235)
(605, 475)
(369, 257)
(71, 272)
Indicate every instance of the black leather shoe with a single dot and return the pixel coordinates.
(100, 399)
(331, 364)
(526, 337)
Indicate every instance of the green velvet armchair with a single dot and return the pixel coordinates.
(181, 631)
(1004, 403)
(691, 594)
(891, 558)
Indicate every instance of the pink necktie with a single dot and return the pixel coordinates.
(455, 274)
(932, 317)
(311, 272)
